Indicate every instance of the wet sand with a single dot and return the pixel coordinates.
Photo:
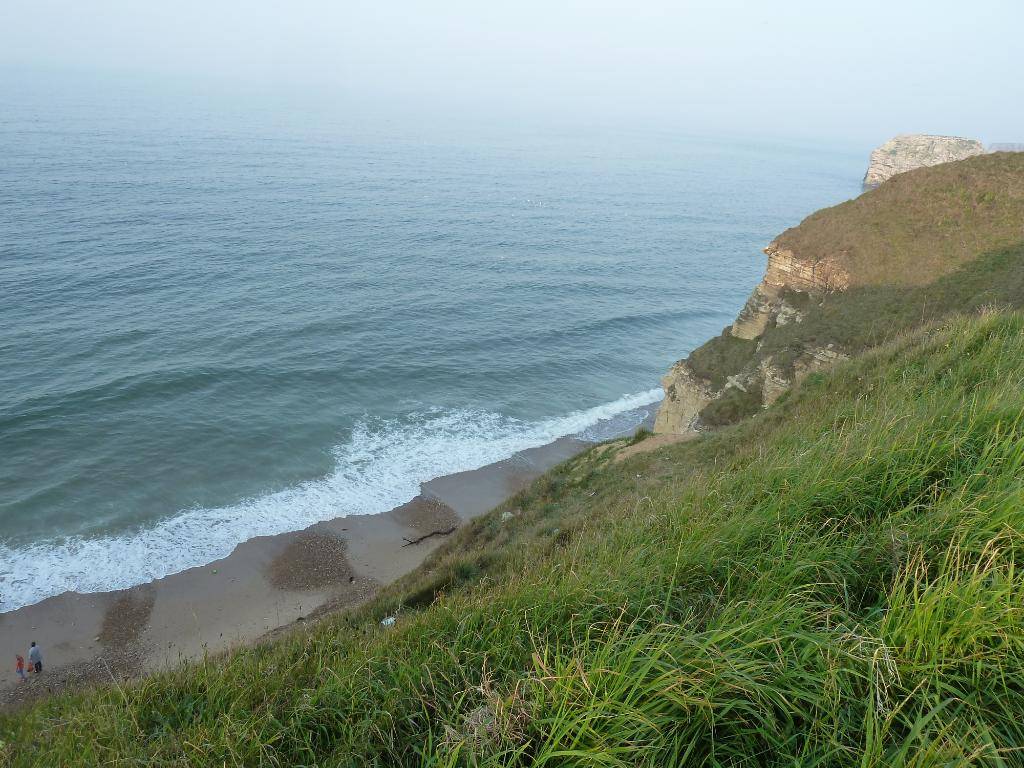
(265, 584)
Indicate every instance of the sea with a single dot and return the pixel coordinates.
(216, 325)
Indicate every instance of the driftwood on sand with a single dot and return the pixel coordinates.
(441, 532)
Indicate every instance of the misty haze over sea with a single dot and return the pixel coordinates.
(213, 328)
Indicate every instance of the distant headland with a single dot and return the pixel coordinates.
(916, 150)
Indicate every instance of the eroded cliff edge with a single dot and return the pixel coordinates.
(733, 376)
(925, 244)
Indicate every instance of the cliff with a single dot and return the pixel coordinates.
(930, 242)
(909, 151)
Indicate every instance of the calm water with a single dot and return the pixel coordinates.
(212, 329)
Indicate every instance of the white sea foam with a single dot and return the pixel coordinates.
(380, 467)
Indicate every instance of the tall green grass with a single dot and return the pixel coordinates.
(832, 583)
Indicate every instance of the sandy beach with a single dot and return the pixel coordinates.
(265, 584)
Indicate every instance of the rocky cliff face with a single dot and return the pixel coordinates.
(851, 276)
(691, 394)
(910, 151)
(786, 272)
(686, 395)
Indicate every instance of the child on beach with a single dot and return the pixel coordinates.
(20, 667)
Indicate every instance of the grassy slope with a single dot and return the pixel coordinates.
(920, 224)
(865, 317)
(925, 244)
(830, 583)
(857, 320)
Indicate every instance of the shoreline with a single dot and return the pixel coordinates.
(265, 585)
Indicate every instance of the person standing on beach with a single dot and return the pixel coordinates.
(20, 667)
(35, 657)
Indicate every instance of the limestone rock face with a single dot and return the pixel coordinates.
(761, 379)
(753, 319)
(909, 151)
(686, 394)
(817, 359)
(774, 380)
(827, 278)
(785, 272)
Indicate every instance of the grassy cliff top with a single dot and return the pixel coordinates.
(830, 583)
(925, 245)
(920, 224)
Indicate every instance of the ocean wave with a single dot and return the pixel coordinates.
(380, 467)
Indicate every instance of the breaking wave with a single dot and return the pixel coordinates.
(380, 467)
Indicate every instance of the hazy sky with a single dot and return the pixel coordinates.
(857, 69)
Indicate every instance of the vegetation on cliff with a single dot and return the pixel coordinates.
(927, 243)
(833, 582)
(919, 225)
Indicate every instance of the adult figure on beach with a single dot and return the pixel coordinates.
(35, 657)
(20, 667)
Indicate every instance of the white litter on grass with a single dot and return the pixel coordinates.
(388, 622)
